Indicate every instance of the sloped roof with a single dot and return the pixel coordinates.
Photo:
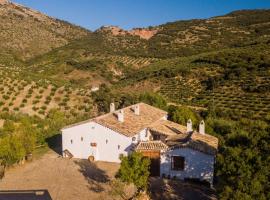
(178, 137)
(132, 123)
(201, 142)
(151, 145)
(167, 127)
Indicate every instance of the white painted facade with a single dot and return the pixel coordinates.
(104, 144)
(198, 165)
(109, 144)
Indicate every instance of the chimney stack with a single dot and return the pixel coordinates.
(137, 109)
(120, 115)
(189, 126)
(202, 128)
(112, 107)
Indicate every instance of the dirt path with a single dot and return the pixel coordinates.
(62, 178)
(164, 189)
(192, 107)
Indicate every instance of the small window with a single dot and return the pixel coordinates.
(156, 137)
(177, 163)
(81, 138)
(134, 139)
(118, 146)
(93, 144)
(71, 141)
(106, 141)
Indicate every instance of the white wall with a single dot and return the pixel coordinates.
(197, 164)
(143, 135)
(95, 133)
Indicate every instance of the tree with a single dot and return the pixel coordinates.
(27, 134)
(11, 149)
(135, 169)
(8, 127)
(182, 114)
(153, 99)
(55, 121)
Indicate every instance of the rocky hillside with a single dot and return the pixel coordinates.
(144, 33)
(184, 38)
(169, 59)
(111, 54)
(25, 33)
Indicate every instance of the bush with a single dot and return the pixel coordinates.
(153, 99)
(182, 114)
(135, 169)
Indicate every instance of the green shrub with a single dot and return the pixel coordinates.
(16, 109)
(135, 169)
(35, 101)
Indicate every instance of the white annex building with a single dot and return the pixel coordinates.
(175, 151)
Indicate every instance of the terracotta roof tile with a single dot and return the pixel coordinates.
(132, 124)
(200, 142)
(167, 127)
(178, 136)
(151, 145)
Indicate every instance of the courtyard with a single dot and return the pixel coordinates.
(52, 177)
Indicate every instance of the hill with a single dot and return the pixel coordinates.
(189, 37)
(26, 33)
(216, 69)
(114, 53)
(234, 79)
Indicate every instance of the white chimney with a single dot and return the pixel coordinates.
(137, 109)
(120, 115)
(189, 126)
(202, 128)
(112, 107)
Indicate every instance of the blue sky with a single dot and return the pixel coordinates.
(128, 14)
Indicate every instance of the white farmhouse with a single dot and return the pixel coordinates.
(175, 151)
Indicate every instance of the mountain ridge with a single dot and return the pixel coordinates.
(26, 33)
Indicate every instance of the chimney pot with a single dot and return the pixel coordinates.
(202, 127)
(137, 110)
(120, 115)
(112, 107)
(189, 126)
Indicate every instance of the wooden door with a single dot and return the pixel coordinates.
(154, 157)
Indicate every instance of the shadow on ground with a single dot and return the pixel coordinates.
(95, 176)
(164, 189)
(55, 143)
(25, 195)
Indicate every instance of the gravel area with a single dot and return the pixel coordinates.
(59, 179)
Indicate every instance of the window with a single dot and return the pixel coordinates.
(81, 138)
(118, 146)
(93, 144)
(71, 141)
(178, 163)
(134, 139)
(156, 137)
(106, 141)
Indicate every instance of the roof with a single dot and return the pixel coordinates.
(167, 127)
(201, 142)
(177, 136)
(132, 123)
(151, 145)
